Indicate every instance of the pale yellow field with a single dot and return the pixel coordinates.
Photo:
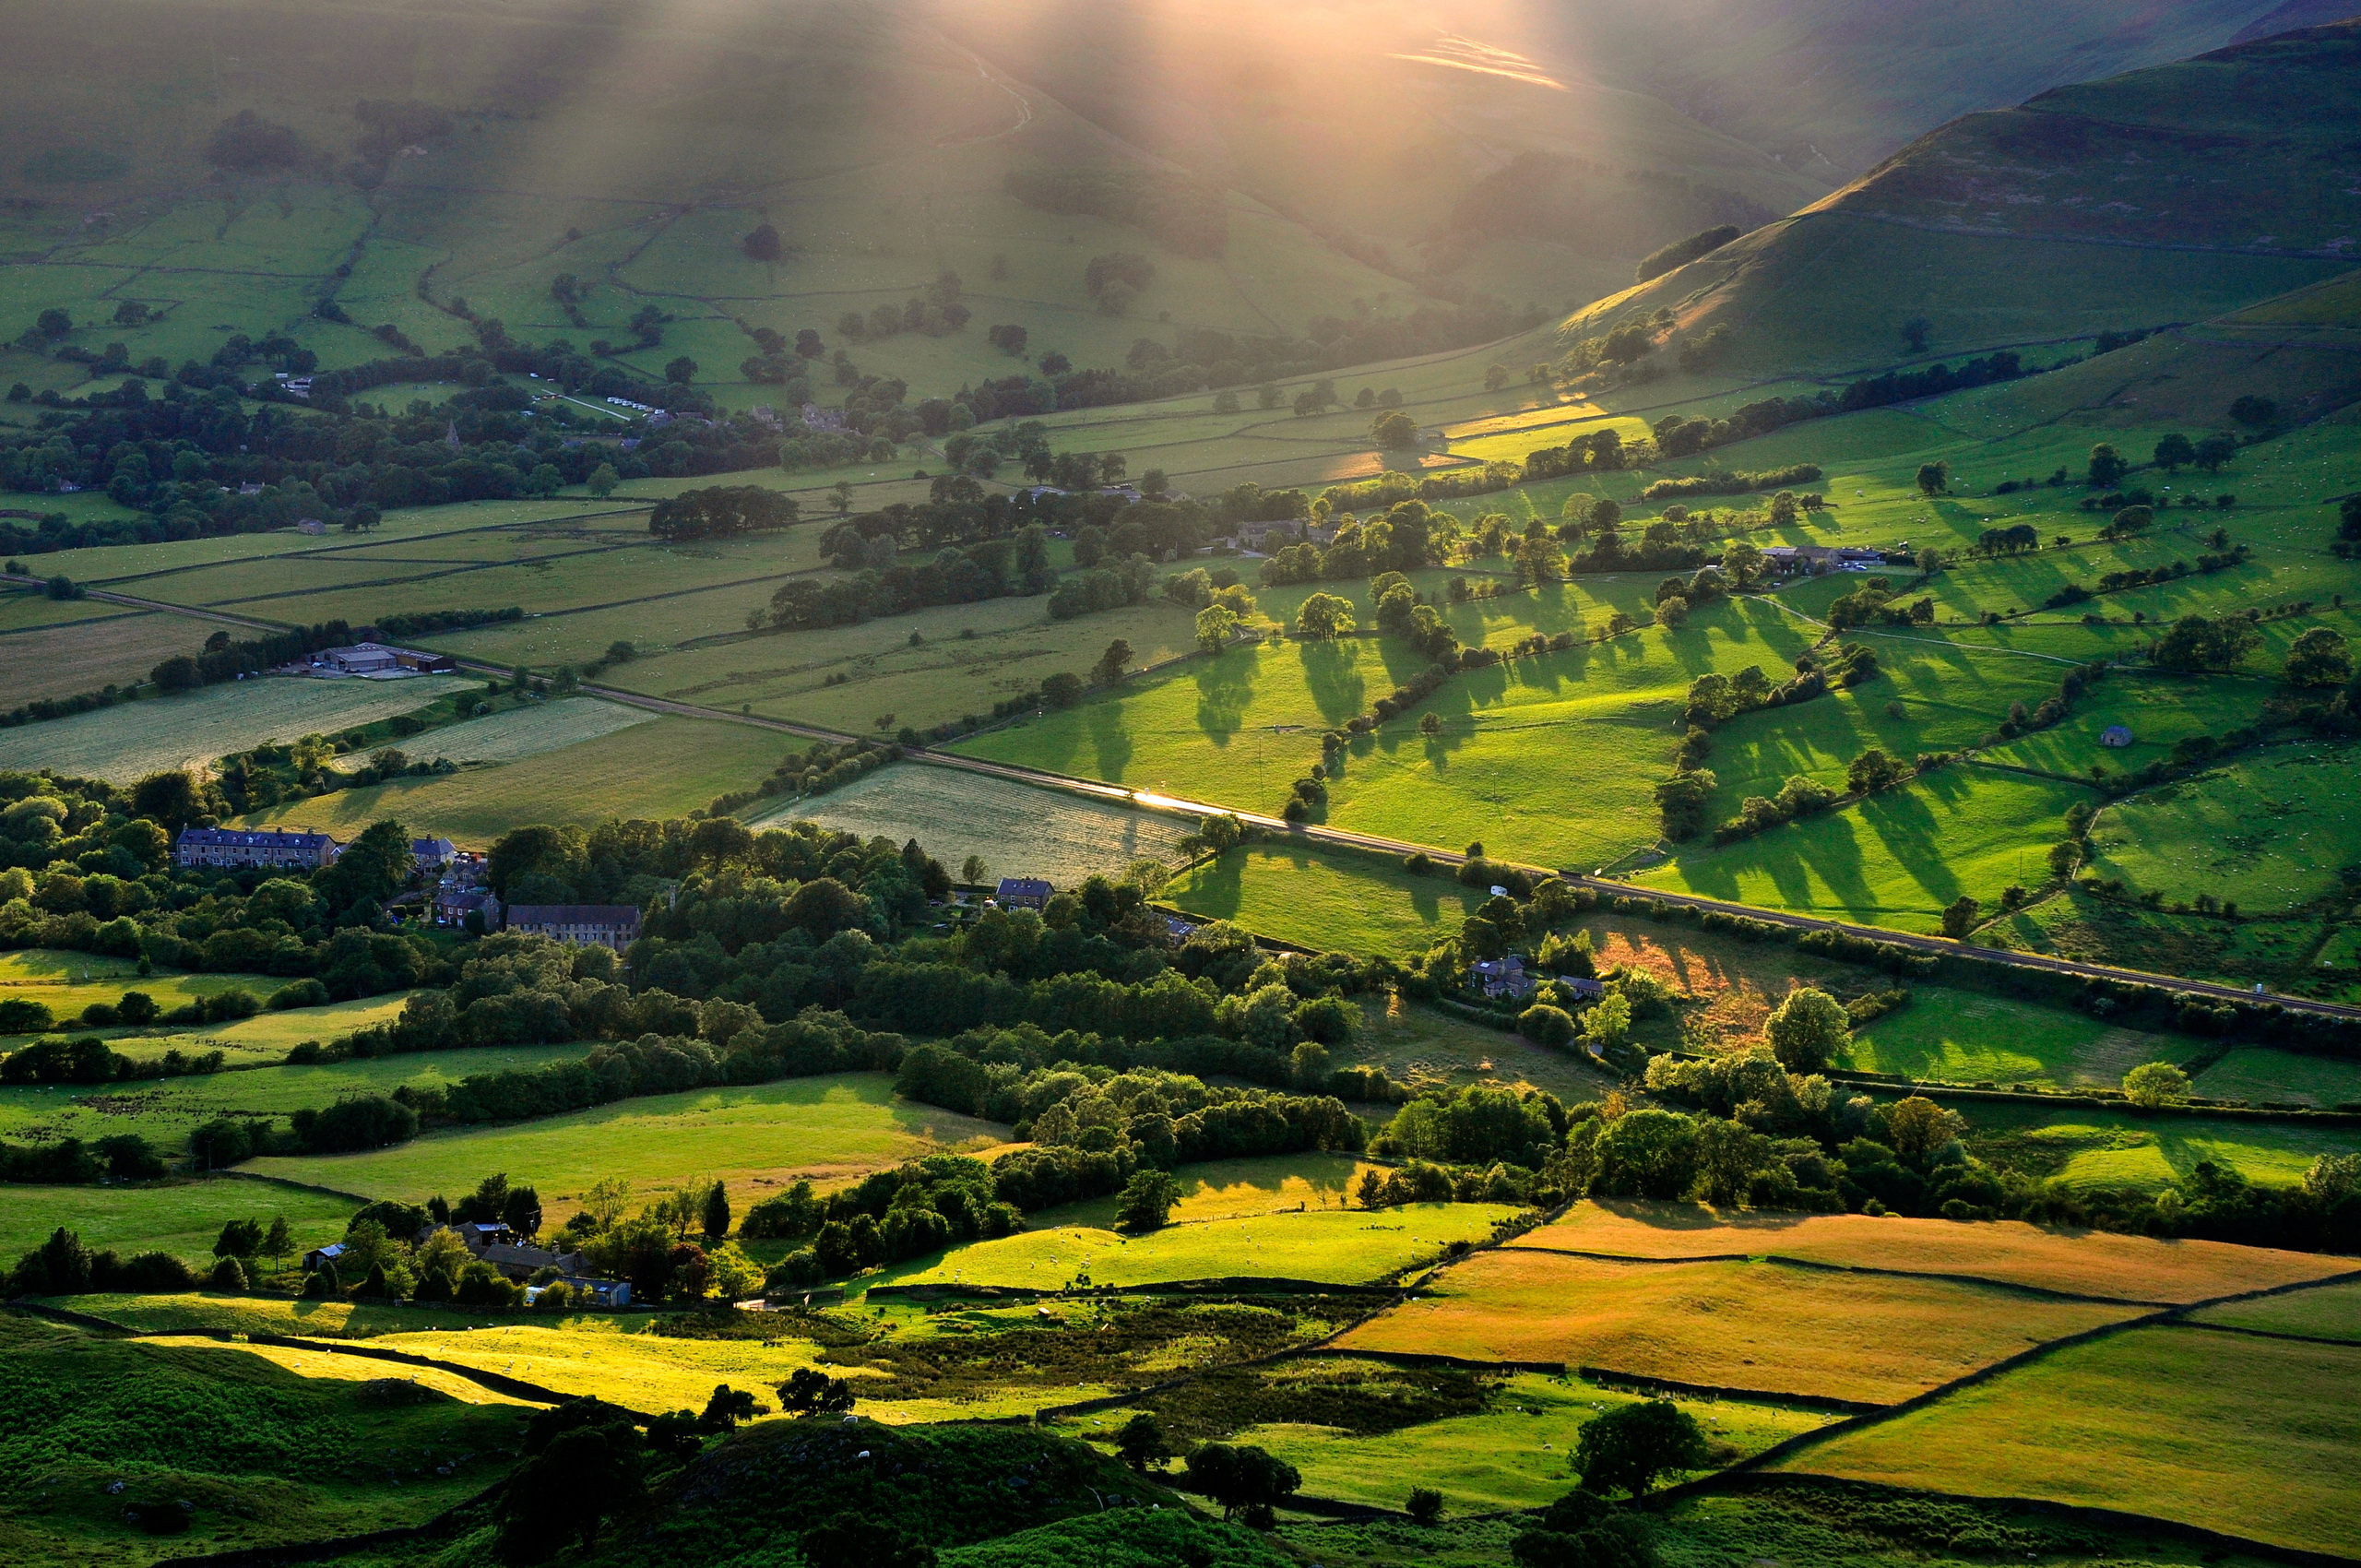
(353, 1369)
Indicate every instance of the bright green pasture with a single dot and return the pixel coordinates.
(1517, 1455)
(266, 1037)
(1232, 1189)
(663, 768)
(164, 1109)
(2255, 1437)
(2258, 1072)
(2157, 708)
(1333, 901)
(1970, 1037)
(2107, 1148)
(1895, 859)
(1335, 1247)
(2325, 1311)
(1019, 830)
(2267, 831)
(132, 739)
(67, 982)
(755, 1139)
(183, 1218)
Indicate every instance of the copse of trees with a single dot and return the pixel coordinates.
(1680, 252)
(721, 512)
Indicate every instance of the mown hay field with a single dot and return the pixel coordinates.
(164, 1111)
(125, 742)
(181, 1217)
(2091, 1263)
(65, 658)
(753, 1139)
(1515, 1456)
(1757, 1326)
(518, 733)
(663, 768)
(1018, 829)
(2252, 1437)
(2325, 1311)
(1336, 1246)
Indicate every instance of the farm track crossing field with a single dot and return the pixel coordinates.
(2325, 1311)
(125, 742)
(1334, 1246)
(753, 1139)
(2268, 831)
(1760, 1326)
(2090, 1262)
(183, 1218)
(1018, 829)
(1515, 1456)
(663, 768)
(2253, 1437)
(164, 1111)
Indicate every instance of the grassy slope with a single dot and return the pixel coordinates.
(2249, 1436)
(827, 1128)
(181, 1217)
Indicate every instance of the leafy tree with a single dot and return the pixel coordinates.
(603, 479)
(1110, 665)
(1425, 1504)
(1394, 431)
(239, 1238)
(1959, 917)
(681, 370)
(1146, 1202)
(2348, 517)
(1141, 1443)
(728, 1406)
(762, 244)
(2174, 452)
(1627, 1449)
(1214, 624)
(717, 1212)
(1934, 478)
(1682, 802)
(807, 1391)
(579, 1478)
(279, 1242)
(372, 867)
(1324, 616)
(2156, 1082)
(2321, 656)
(2202, 642)
(171, 800)
(1872, 771)
(972, 870)
(1545, 1025)
(1915, 333)
(855, 1540)
(2217, 452)
(1647, 1153)
(2106, 468)
(1242, 1480)
(1606, 1022)
(1808, 1030)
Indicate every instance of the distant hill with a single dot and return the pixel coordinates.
(2177, 193)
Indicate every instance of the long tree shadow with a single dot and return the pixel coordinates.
(1217, 888)
(1225, 691)
(1332, 674)
(1110, 733)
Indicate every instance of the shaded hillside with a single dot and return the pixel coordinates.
(2178, 192)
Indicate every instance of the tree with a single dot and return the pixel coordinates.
(1394, 431)
(717, 1212)
(1606, 1022)
(2157, 1083)
(811, 1392)
(1545, 1025)
(1140, 1442)
(577, 1482)
(373, 867)
(1324, 616)
(1495, 377)
(2321, 656)
(1109, 667)
(1647, 1153)
(721, 511)
(173, 801)
(681, 371)
(1146, 1202)
(1872, 771)
(2348, 517)
(1915, 333)
(855, 1540)
(973, 871)
(1425, 1504)
(728, 1406)
(1916, 1127)
(2215, 453)
(1959, 917)
(2108, 467)
(762, 244)
(2201, 642)
(1242, 1480)
(1214, 624)
(603, 479)
(1626, 1450)
(239, 1238)
(2174, 452)
(279, 1242)
(1934, 478)
(1808, 1030)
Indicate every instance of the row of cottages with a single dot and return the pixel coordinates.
(602, 925)
(237, 846)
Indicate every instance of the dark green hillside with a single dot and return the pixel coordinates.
(2175, 193)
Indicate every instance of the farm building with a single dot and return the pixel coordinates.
(319, 1258)
(376, 661)
(1024, 893)
(522, 1262)
(603, 925)
(433, 854)
(1504, 976)
(238, 846)
(2114, 735)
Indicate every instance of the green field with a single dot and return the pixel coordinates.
(1018, 829)
(2247, 1436)
(1335, 1245)
(99, 646)
(1972, 1037)
(2328, 1312)
(183, 1218)
(2258, 1072)
(526, 731)
(163, 1111)
(123, 743)
(1515, 1456)
(267, 1038)
(665, 767)
(1333, 900)
(2093, 1148)
(828, 1129)
(67, 982)
(2265, 832)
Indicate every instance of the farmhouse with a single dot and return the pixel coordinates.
(1504, 976)
(605, 925)
(1024, 893)
(433, 854)
(236, 847)
(523, 1263)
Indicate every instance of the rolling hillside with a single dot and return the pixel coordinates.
(2171, 194)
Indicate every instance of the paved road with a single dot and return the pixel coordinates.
(1174, 805)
